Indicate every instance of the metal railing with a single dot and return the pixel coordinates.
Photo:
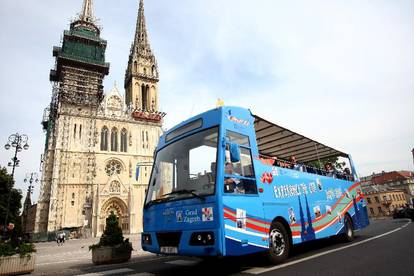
(303, 168)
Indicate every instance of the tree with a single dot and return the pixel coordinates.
(113, 233)
(6, 186)
(333, 160)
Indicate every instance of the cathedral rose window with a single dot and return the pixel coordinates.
(113, 167)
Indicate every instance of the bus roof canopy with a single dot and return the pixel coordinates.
(277, 141)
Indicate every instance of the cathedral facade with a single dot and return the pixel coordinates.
(99, 148)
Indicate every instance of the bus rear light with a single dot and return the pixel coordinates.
(202, 238)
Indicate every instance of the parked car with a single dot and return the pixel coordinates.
(406, 212)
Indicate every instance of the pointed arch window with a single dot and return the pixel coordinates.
(144, 101)
(135, 67)
(104, 138)
(124, 140)
(114, 139)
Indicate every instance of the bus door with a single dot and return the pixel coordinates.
(242, 208)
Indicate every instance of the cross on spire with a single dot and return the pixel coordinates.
(87, 13)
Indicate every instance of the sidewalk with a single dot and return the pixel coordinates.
(73, 252)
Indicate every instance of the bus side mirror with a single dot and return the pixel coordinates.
(234, 152)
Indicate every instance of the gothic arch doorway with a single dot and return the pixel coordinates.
(119, 208)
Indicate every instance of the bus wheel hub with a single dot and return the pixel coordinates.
(277, 242)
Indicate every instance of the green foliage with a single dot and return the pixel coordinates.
(6, 250)
(22, 249)
(6, 185)
(321, 165)
(25, 249)
(112, 234)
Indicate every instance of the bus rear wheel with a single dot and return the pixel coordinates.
(348, 235)
(279, 243)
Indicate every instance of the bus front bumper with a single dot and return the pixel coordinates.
(203, 242)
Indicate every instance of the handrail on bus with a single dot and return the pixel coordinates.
(282, 163)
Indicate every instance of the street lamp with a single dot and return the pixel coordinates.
(16, 141)
(30, 177)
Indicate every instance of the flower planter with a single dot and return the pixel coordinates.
(111, 254)
(13, 265)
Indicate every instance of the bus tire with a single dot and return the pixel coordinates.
(348, 235)
(279, 243)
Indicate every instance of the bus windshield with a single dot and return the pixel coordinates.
(186, 168)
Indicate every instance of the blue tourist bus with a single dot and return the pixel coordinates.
(228, 183)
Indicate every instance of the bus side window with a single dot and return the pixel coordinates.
(239, 176)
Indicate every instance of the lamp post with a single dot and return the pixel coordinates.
(19, 143)
(30, 178)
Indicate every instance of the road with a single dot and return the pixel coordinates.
(385, 247)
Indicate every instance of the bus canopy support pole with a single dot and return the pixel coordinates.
(317, 154)
(353, 168)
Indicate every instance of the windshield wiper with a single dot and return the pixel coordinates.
(184, 191)
(156, 201)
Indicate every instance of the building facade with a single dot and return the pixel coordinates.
(383, 202)
(401, 180)
(99, 148)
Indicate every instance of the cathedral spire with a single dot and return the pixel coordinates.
(87, 13)
(141, 43)
(141, 75)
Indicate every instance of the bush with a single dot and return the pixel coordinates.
(6, 250)
(112, 234)
(23, 249)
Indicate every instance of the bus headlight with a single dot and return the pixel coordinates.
(146, 239)
(202, 238)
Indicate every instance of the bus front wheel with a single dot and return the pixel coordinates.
(279, 243)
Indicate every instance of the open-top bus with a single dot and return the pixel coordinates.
(221, 186)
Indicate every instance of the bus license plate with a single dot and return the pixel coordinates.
(169, 250)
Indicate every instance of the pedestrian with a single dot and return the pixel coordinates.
(60, 238)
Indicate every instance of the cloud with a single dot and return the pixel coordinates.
(336, 71)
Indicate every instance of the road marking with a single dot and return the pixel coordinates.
(65, 261)
(257, 270)
(142, 274)
(108, 272)
(182, 262)
(88, 257)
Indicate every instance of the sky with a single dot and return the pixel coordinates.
(340, 72)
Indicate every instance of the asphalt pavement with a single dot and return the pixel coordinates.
(386, 247)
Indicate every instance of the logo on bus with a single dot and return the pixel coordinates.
(207, 214)
(266, 178)
(179, 216)
(237, 120)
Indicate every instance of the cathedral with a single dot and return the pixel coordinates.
(99, 147)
